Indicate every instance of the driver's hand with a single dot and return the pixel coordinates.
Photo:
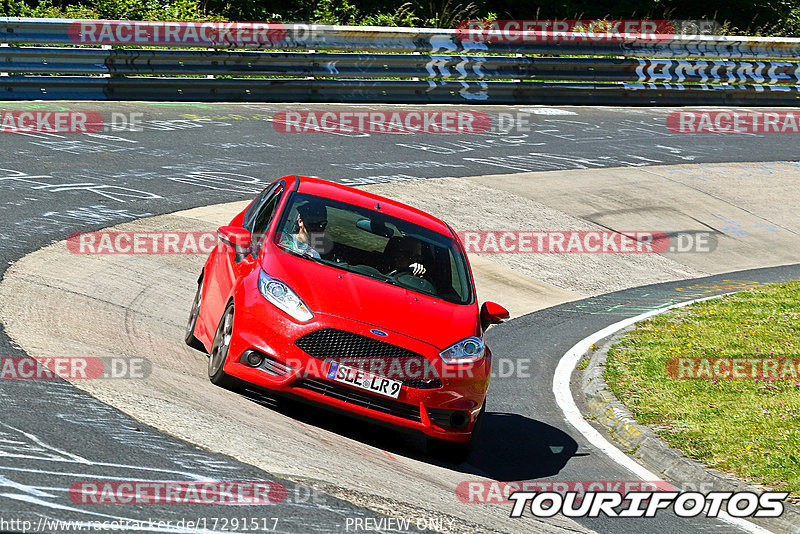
(417, 269)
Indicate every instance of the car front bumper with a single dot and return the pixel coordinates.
(259, 326)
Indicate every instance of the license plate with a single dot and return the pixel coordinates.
(358, 378)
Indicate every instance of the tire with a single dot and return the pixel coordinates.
(192, 323)
(219, 352)
(456, 453)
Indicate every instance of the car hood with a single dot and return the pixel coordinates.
(334, 291)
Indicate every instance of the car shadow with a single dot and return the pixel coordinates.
(509, 446)
(514, 447)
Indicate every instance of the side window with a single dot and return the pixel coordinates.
(255, 206)
(263, 217)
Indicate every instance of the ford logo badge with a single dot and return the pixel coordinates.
(379, 332)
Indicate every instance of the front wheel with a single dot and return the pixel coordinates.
(219, 352)
(456, 453)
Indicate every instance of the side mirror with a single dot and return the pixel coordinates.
(492, 313)
(237, 238)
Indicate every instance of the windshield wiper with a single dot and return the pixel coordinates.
(378, 276)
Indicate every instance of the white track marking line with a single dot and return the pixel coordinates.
(572, 414)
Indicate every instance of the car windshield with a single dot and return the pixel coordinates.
(372, 244)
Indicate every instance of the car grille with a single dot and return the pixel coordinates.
(331, 343)
(422, 383)
(372, 355)
(360, 398)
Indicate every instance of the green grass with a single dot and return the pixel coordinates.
(746, 427)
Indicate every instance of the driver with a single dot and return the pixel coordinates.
(309, 238)
(406, 255)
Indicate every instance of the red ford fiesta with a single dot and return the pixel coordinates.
(350, 300)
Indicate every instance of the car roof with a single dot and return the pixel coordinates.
(358, 197)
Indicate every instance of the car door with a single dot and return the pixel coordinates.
(227, 266)
(263, 217)
(232, 266)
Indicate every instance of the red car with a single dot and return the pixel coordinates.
(350, 300)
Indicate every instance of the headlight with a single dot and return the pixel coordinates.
(283, 297)
(468, 350)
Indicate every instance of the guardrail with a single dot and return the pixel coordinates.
(443, 66)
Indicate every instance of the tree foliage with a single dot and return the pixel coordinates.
(769, 17)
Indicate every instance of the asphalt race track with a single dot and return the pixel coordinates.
(52, 433)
